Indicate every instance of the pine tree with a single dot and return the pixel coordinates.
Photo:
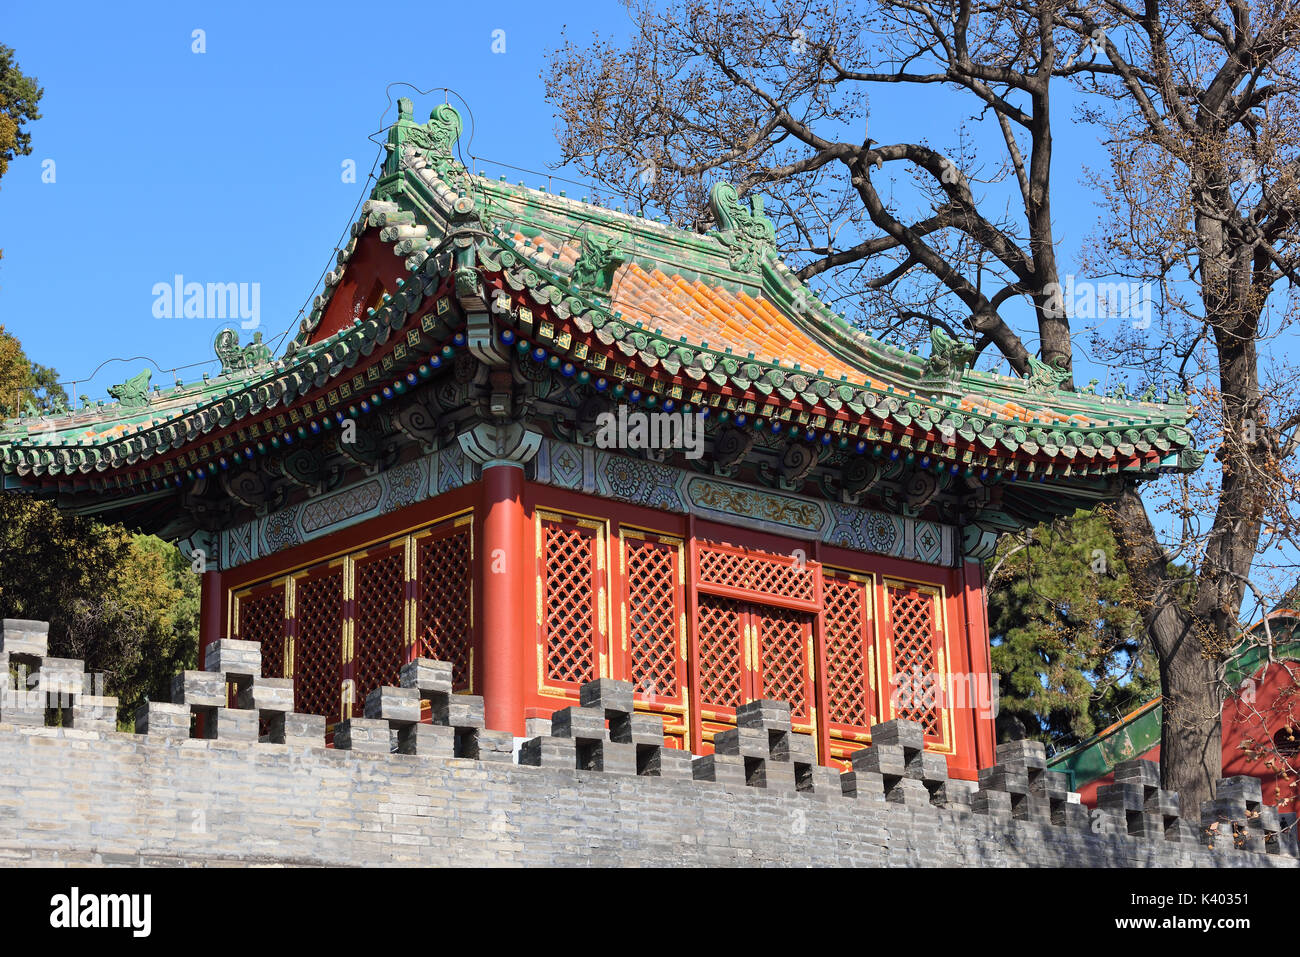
(1067, 640)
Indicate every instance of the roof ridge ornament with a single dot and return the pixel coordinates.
(1045, 378)
(949, 357)
(134, 392)
(236, 358)
(746, 233)
(596, 262)
(435, 140)
(443, 129)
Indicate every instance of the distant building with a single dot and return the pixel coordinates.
(1261, 723)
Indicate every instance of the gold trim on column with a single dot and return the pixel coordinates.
(411, 585)
(349, 685)
(290, 614)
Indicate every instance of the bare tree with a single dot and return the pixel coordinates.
(776, 98)
(1199, 110)
(1188, 96)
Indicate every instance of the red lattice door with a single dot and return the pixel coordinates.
(753, 629)
(917, 679)
(317, 648)
(850, 662)
(725, 680)
(571, 614)
(782, 660)
(261, 616)
(655, 630)
(444, 600)
(749, 651)
(378, 620)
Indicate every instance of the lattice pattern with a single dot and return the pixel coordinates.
(379, 633)
(261, 618)
(652, 616)
(570, 601)
(443, 602)
(721, 637)
(769, 575)
(915, 669)
(848, 700)
(782, 636)
(318, 644)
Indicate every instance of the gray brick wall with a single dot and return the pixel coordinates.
(72, 796)
(595, 786)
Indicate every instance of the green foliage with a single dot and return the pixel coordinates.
(23, 382)
(1068, 641)
(19, 97)
(127, 604)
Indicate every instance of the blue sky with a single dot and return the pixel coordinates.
(226, 166)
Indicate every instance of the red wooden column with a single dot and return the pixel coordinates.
(821, 686)
(977, 634)
(211, 610)
(507, 627)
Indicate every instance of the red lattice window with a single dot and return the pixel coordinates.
(782, 646)
(318, 643)
(757, 572)
(569, 597)
(261, 618)
(379, 621)
(915, 680)
(721, 627)
(444, 599)
(847, 636)
(653, 616)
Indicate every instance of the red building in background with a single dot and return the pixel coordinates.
(1261, 722)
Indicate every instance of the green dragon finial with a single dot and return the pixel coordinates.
(948, 356)
(746, 233)
(597, 260)
(257, 352)
(1044, 377)
(435, 139)
(444, 129)
(237, 358)
(134, 392)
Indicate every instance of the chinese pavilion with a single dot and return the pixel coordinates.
(416, 475)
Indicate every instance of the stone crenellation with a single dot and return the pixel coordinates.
(230, 704)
